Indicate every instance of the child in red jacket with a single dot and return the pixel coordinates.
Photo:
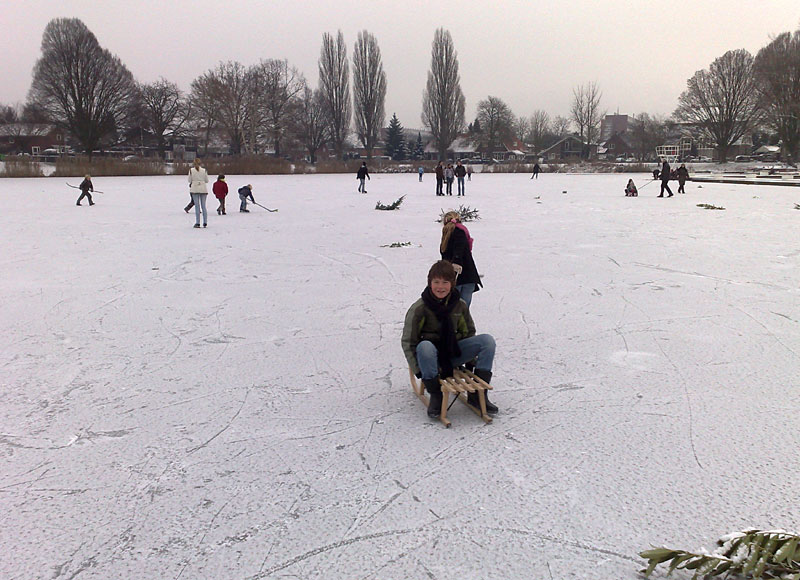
(220, 190)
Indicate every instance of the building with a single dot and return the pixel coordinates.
(613, 125)
(31, 139)
(567, 148)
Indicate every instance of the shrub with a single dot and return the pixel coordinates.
(21, 167)
(106, 166)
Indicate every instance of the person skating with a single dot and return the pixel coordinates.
(439, 335)
(198, 180)
(220, 189)
(456, 248)
(630, 189)
(85, 187)
(439, 178)
(665, 177)
(461, 172)
(683, 175)
(245, 193)
(420, 170)
(536, 170)
(469, 172)
(362, 176)
(449, 176)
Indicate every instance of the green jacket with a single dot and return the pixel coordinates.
(421, 324)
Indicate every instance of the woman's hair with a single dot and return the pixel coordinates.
(443, 270)
(220, 177)
(448, 225)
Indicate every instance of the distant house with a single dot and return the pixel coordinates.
(31, 139)
(611, 125)
(567, 148)
(462, 147)
(615, 146)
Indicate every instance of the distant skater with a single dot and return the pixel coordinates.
(198, 180)
(683, 175)
(421, 170)
(469, 172)
(245, 193)
(665, 175)
(362, 176)
(439, 178)
(85, 187)
(630, 189)
(536, 170)
(449, 175)
(461, 172)
(220, 189)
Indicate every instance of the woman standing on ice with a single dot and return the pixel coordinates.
(456, 247)
(198, 178)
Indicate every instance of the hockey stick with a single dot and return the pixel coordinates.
(76, 187)
(266, 208)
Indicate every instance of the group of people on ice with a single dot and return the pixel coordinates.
(439, 334)
(198, 190)
(448, 175)
(665, 174)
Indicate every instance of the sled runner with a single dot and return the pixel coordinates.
(461, 383)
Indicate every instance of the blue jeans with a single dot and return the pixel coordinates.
(243, 205)
(460, 186)
(466, 291)
(362, 186)
(199, 200)
(481, 346)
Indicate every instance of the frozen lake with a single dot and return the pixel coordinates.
(234, 403)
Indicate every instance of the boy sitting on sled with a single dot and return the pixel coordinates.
(439, 334)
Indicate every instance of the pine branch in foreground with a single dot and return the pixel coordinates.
(755, 554)
(391, 206)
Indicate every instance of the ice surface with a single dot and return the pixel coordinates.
(233, 402)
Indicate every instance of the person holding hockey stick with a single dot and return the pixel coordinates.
(85, 187)
(245, 192)
(439, 334)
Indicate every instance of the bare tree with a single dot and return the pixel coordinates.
(310, 122)
(646, 133)
(165, 110)
(334, 85)
(522, 127)
(723, 100)
(497, 124)
(586, 111)
(223, 92)
(539, 129)
(281, 86)
(561, 125)
(443, 100)
(8, 114)
(369, 90)
(777, 68)
(80, 86)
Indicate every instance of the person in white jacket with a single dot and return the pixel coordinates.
(198, 178)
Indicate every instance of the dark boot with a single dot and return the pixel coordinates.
(473, 399)
(435, 391)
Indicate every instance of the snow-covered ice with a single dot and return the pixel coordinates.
(234, 402)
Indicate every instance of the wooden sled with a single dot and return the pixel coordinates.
(461, 383)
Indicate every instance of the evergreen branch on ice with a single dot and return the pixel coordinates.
(394, 205)
(396, 245)
(466, 213)
(755, 554)
(708, 206)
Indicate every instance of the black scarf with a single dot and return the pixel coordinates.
(448, 344)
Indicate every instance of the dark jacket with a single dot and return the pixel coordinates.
(421, 324)
(683, 174)
(86, 185)
(245, 191)
(439, 172)
(363, 172)
(458, 252)
(461, 171)
(665, 172)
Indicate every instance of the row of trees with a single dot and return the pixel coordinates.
(90, 93)
(739, 93)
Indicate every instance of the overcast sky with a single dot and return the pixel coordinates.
(531, 54)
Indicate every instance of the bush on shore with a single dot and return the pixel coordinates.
(14, 166)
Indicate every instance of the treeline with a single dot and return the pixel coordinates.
(270, 107)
